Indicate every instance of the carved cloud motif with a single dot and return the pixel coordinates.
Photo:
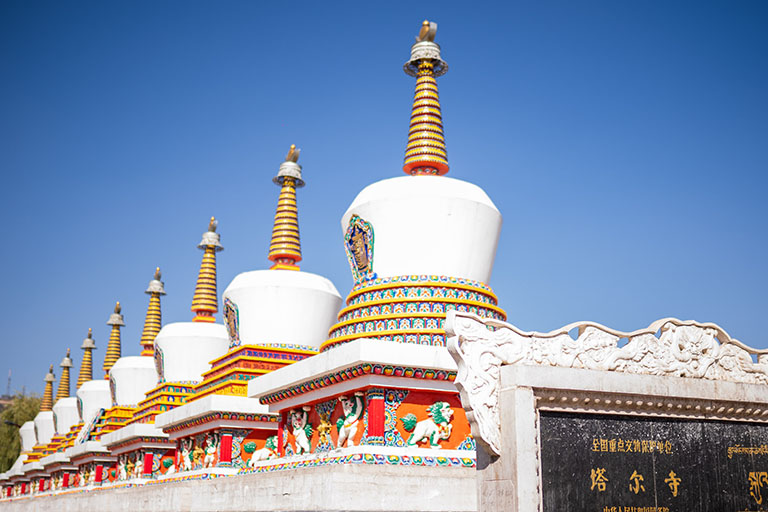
(668, 347)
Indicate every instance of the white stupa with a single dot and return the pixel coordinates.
(282, 305)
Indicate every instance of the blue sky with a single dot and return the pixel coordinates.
(625, 143)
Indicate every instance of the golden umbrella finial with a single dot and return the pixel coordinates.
(293, 154)
(212, 224)
(427, 32)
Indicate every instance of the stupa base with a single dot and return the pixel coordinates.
(350, 487)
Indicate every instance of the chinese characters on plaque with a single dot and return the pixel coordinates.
(607, 463)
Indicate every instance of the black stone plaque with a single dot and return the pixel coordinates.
(600, 463)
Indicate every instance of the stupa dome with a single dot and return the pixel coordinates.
(93, 395)
(417, 222)
(27, 433)
(184, 350)
(44, 428)
(265, 305)
(65, 414)
(130, 378)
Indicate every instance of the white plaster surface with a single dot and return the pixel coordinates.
(86, 447)
(66, 414)
(209, 404)
(16, 468)
(134, 376)
(54, 458)
(44, 427)
(189, 347)
(28, 439)
(132, 431)
(417, 221)
(270, 301)
(351, 354)
(94, 395)
(352, 488)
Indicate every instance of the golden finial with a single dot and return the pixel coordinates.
(427, 32)
(47, 403)
(285, 247)
(86, 366)
(66, 365)
(153, 318)
(293, 154)
(205, 300)
(425, 152)
(114, 346)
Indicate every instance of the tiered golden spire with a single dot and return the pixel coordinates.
(86, 367)
(63, 390)
(153, 320)
(205, 302)
(285, 246)
(47, 403)
(425, 152)
(114, 348)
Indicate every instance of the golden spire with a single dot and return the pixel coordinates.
(153, 320)
(114, 348)
(47, 403)
(425, 152)
(205, 302)
(86, 367)
(285, 246)
(63, 390)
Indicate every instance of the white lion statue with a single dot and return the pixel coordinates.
(431, 430)
(268, 452)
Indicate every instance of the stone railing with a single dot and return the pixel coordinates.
(668, 347)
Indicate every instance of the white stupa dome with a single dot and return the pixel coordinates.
(429, 225)
(280, 307)
(130, 379)
(65, 414)
(184, 350)
(93, 395)
(44, 429)
(28, 438)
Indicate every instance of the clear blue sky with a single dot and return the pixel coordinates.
(625, 143)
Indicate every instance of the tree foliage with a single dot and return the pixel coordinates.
(23, 408)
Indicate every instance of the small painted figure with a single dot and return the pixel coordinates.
(302, 429)
(211, 447)
(347, 424)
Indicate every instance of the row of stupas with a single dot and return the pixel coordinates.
(292, 376)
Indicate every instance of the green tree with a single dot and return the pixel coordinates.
(23, 408)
